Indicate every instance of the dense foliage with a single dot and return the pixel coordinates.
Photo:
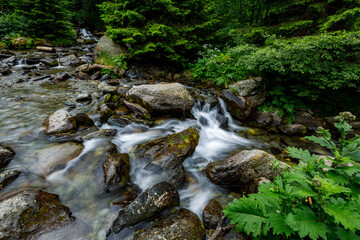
(317, 199)
(165, 30)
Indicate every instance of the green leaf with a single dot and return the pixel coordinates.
(336, 177)
(322, 141)
(248, 215)
(304, 221)
(278, 224)
(303, 155)
(342, 234)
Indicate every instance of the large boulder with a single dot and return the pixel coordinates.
(148, 204)
(59, 122)
(293, 129)
(8, 177)
(6, 155)
(110, 48)
(165, 155)
(309, 121)
(69, 61)
(242, 169)
(116, 169)
(179, 225)
(252, 89)
(29, 214)
(237, 105)
(55, 157)
(165, 98)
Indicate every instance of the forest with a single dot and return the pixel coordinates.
(306, 53)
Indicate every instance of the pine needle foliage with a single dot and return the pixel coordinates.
(317, 199)
(167, 30)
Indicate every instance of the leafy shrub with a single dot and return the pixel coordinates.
(317, 199)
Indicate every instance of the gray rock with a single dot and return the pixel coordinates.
(165, 155)
(118, 121)
(252, 89)
(237, 106)
(179, 225)
(100, 134)
(63, 76)
(308, 120)
(55, 157)
(84, 97)
(137, 109)
(212, 214)
(166, 98)
(106, 88)
(8, 177)
(30, 213)
(116, 169)
(49, 62)
(5, 70)
(6, 155)
(110, 48)
(264, 118)
(59, 122)
(69, 61)
(243, 168)
(293, 129)
(148, 204)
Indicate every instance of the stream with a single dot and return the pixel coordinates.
(30, 93)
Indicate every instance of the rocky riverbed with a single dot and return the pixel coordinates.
(87, 156)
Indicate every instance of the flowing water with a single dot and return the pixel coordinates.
(23, 106)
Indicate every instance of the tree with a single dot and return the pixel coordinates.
(161, 29)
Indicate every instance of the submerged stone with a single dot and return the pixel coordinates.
(116, 169)
(6, 155)
(8, 177)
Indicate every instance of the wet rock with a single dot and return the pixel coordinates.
(252, 89)
(70, 104)
(30, 213)
(49, 62)
(116, 169)
(137, 109)
(95, 68)
(165, 155)
(69, 61)
(82, 68)
(46, 49)
(105, 77)
(84, 97)
(126, 199)
(212, 214)
(148, 204)
(122, 111)
(106, 88)
(264, 118)
(105, 112)
(83, 120)
(8, 177)
(59, 122)
(101, 133)
(179, 225)
(6, 155)
(54, 158)
(308, 120)
(118, 121)
(293, 129)
(96, 76)
(110, 48)
(19, 42)
(168, 98)
(63, 76)
(243, 168)
(5, 70)
(237, 106)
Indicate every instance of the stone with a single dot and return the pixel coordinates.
(137, 109)
(84, 97)
(30, 213)
(308, 120)
(6, 155)
(96, 68)
(110, 48)
(264, 118)
(59, 122)
(8, 177)
(105, 112)
(148, 204)
(118, 121)
(165, 155)
(69, 61)
(252, 89)
(243, 168)
(106, 88)
(49, 62)
(5, 70)
(63, 76)
(293, 129)
(165, 98)
(237, 106)
(54, 158)
(179, 225)
(212, 214)
(46, 49)
(83, 120)
(116, 169)
(100, 134)
(19, 42)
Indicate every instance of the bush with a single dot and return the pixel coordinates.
(317, 199)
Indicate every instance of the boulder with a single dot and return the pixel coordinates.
(237, 106)
(6, 155)
(110, 48)
(69, 61)
(31, 213)
(165, 98)
(84, 97)
(100, 134)
(165, 155)
(55, 157)
(148, 204)
(293, 129)
(19, 42)
(308, 120)
(264, 118)
(94, 68)
(243, 168)
(49, 62)
(252, 89)
(46, 49)
(179, 225)
(118, 121)
(5, 70)
(63, 76)
(59, 122)
(8, 177)
(212, 213)
(116, 169)
(106, 88)
(137, 109)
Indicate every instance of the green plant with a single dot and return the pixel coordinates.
(317, 199)
(109, 71)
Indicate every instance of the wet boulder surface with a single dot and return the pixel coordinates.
(8, 177)
(165, 155)
(30, 213)
(148, 204)
(6, 155)
(179, 225)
